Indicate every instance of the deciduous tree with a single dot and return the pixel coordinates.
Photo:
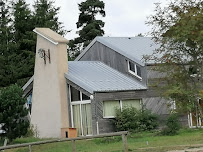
(178, 28)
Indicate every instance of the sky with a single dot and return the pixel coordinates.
(123, 17)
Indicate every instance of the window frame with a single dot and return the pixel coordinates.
(121, 106)
(132, 72)
(80, 102)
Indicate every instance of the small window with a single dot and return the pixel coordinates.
(109, 108)
(131, 66)
(134, 69)
(84, 97)
(138, 70)
(75, 94)
(131, 103)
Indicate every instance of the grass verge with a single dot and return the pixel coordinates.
(143, 142)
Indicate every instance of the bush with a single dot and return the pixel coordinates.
(134, 120)
(13, 113)
(172, 125)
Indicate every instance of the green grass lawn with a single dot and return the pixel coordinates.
(143, 142)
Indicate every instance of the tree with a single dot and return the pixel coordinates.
(178, 29)
(90, 26)
(23, 56)
(6, 44)
(13, 112)
(45, 15)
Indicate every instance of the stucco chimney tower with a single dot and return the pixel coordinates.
(49, 99)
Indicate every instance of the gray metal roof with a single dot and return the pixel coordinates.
(133, 48)
(95, 76)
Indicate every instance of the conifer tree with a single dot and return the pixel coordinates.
(89, 26)
(46, 15)
(23, 57)
(6, 44)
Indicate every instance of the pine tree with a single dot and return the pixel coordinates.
(6, 44)
(22, 60)
(91, 27)
(46, 15)
(13, 112)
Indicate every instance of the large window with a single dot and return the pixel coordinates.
(109, 107)
(134, 69)
(81, 115)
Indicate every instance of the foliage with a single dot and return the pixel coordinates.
(178, 29)
(6, 44)
(13, 112)
(17, 39)
(46, 15)
(131, 119)
(22, 58)
(90, 26)
(173, 125)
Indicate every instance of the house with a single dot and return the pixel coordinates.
(83, 94)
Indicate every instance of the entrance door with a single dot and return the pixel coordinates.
(82, 119)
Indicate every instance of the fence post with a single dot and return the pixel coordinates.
(30, 148)
(73, 146)
(125, 144)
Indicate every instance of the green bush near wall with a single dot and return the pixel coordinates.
(131, 119)
(172, 125)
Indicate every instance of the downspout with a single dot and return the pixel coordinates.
(96, 111)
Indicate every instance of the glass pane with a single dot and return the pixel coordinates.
(109, 108)
(29, 102)
(77, 119)
(131, 66)
(75, 94)
(138, 70)
(86, 119)
(84, 97)
(131, 103)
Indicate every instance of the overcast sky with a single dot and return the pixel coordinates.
(123, 17)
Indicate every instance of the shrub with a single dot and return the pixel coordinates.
(172, 125)
(13, 113)
(134, 120)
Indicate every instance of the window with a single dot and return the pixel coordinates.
(109, 107)
(29, 103)
(134, 69)
(81, 116)
(77, 95)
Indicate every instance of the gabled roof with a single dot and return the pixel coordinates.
(95, 76)
(133, 48)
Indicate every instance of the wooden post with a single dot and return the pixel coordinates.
(125, 144)
(30, 148)
(5, 143)
(73, 146)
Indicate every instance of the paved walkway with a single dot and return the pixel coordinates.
(199, 149)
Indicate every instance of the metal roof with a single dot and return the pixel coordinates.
(95, 76)
(133, 48)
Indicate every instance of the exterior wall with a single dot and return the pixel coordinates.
(100, 52)
(106, 125)
(49, 102)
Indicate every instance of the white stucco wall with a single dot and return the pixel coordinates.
(49, 103)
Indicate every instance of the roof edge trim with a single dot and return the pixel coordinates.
(55, 43)
(86, 49)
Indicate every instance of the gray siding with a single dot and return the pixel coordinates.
(156, 104)
(100, 52)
